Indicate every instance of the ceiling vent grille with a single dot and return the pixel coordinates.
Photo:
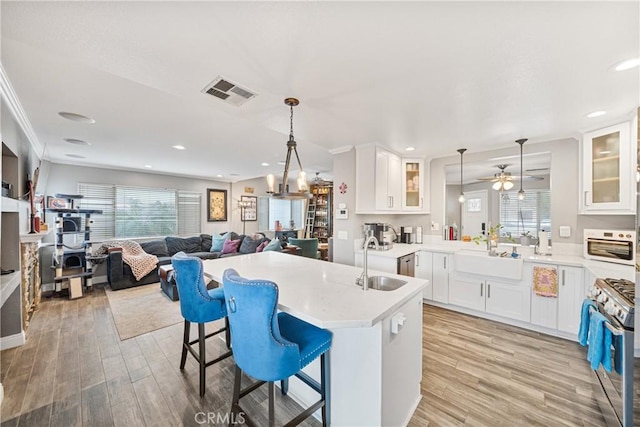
(228, 91)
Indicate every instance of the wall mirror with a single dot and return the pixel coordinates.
(491, 196)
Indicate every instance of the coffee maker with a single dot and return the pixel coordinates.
(406, 234)
(381, 231)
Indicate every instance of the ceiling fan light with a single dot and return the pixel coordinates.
(508, 185)
(497, 185)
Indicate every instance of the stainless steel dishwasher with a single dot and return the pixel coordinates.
(406, 265)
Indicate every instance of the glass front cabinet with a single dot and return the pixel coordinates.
(608, 171)
(413, 184)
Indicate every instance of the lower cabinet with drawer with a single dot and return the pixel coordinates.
(499, 297)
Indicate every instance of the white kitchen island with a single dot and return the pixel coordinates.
(375, 372)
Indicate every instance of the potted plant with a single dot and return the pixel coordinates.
(525, 239)
(491, 238)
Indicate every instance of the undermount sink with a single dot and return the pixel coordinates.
(479, 262)
(383, 283)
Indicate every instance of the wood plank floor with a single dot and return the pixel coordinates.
(74, 371)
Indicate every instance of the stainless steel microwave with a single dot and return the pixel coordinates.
(610, 246)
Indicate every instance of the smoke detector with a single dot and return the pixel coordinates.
(229, 92)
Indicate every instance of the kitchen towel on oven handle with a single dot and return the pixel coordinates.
(600, 341)
(585, 316)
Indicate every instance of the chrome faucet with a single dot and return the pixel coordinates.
(363, 280)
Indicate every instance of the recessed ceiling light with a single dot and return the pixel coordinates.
(179, 147)
(218, 176)
(627, 64)
(264, 164)
(76, 141)
(76, 117)
(409, 148)
(596, 114)
(75, 156)
(148, 166)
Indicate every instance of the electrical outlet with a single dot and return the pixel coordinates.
(565, 231)
(435, 226)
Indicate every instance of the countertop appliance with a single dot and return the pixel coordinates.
(383, 233)
(406, 234)
(610, 245)
(419, 232)
(615, 300)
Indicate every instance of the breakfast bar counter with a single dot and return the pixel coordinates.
(376, 355)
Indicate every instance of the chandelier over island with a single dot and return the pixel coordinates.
(283, 187)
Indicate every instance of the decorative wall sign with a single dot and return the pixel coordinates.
(248, 190)
(474, 205)
(343, 188)
(216, 205)
(249, 213)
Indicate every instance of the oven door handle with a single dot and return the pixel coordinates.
(608, 325)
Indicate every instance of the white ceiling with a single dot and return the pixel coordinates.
(433, 75)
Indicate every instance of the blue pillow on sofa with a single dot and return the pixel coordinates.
(273, 245)
(217, 242)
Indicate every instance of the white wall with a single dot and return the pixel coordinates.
(64, 179)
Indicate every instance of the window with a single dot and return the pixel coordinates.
(140, 212)
(531, 214)
(272, 210)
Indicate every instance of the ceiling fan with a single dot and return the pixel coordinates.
(504, 180)
(318, 180)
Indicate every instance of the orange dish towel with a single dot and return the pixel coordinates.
(545, 281)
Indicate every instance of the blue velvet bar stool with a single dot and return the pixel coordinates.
(198, 305)
(270, 346)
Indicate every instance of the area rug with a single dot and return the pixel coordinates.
(142, 309)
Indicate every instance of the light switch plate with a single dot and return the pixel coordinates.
(565, 231)
(343, 235)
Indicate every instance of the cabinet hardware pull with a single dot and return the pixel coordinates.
(391, 197)
(417, 260)
(586, 198)
(445, 262)
(481, 286)
(563, 271)
(488, 290)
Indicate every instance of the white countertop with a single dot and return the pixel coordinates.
(597, 268)
(319, 292)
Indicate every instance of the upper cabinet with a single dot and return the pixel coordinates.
(608, 171)
(387, 183)
(412, 184)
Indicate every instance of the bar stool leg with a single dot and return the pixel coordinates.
(236, 396)
(185, 343)
(325, 389)
(284, 386)
(201, 357)
(272, 417)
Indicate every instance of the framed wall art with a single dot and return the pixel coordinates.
(216, 205)
(250, 211)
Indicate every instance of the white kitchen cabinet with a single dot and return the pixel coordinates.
(561, 313)
(424, 270)
(440, 274)
(506, 299)
(413, 185)
(571, 293)
(608, 159)
(386, 183)
(388, 188)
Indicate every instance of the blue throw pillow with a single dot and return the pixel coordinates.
(217, 242)
(273, 245)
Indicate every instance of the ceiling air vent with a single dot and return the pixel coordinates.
(228, 91)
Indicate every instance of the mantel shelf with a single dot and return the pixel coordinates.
(35, 237)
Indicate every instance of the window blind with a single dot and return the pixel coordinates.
(531, 214)
(130, 212)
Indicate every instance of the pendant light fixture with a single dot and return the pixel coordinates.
(521, 192)
(461, 197)
(283, 188)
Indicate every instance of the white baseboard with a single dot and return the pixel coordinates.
(12, 341)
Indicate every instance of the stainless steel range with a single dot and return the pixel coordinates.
(615, 300)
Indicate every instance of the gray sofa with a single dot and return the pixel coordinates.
(120, 275)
